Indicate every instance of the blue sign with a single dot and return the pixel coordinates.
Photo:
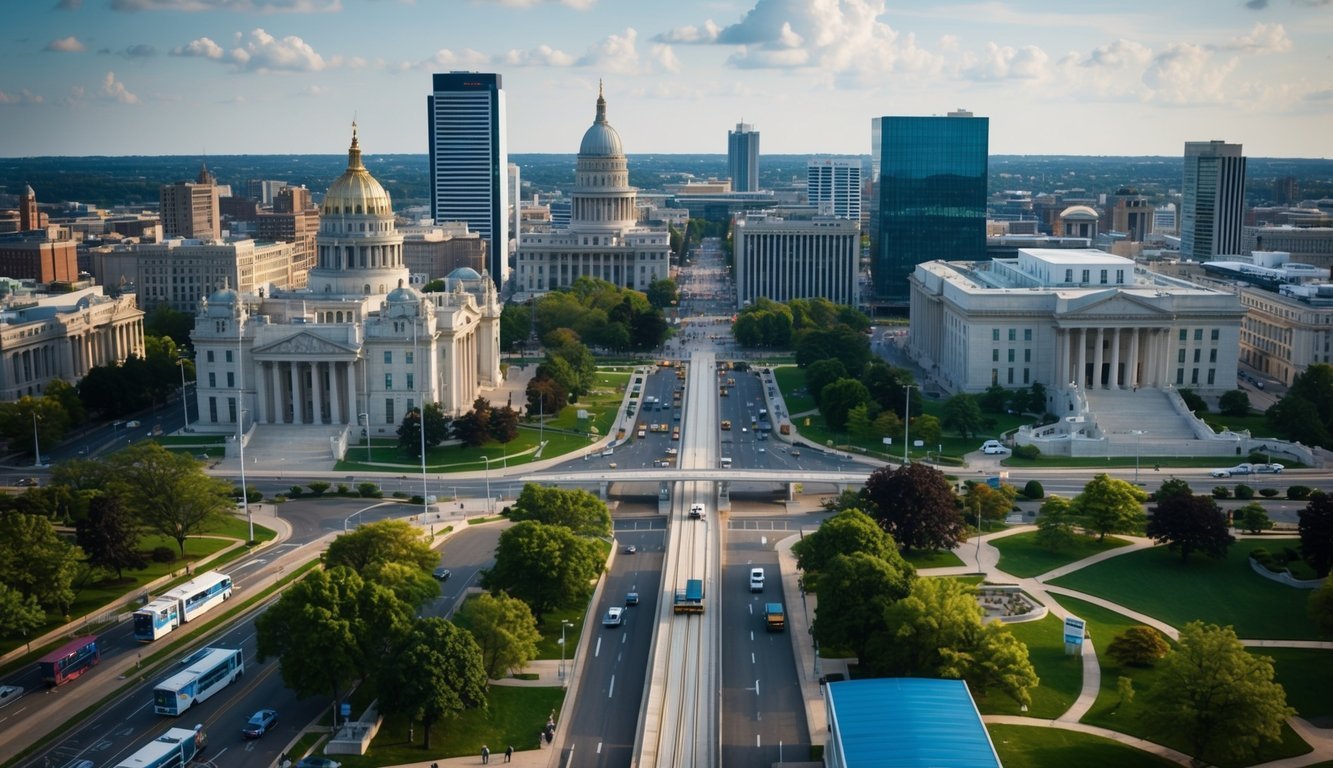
(1074, 629)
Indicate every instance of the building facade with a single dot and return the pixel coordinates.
(929, 180)
(438, 251)
(1213, 200)
(62, 336)
(1287, 331)
(743, 158)
(192, 209)
(294, 219)
(834, 187)
(180, 272)
(796, 259)
(1070, 317)
(469, 160)
(604, 239)
(1311, 245)
(357, 345)
(44, 255)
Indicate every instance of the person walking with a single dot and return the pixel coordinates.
(509, 753)
(485, 754)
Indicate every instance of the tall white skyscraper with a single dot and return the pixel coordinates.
(515, 182)
(469, 160)
(834, 187)
(743, 158)
(1212, 206)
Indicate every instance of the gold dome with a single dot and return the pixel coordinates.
(356, 191)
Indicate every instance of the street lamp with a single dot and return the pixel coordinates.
(185, 410)
(907, 419)
(36, 446)
(1137, 434)
(366, 416)
(563, 623)
(488, 483)
(240, 428)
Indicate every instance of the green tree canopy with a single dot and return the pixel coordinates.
(1315, 527)
(962, 414)
(504, 629)
(822, 373)
(574, 508)
(1108, 505)
(855, 592)
(435, 671)
(36, 561)
(839, 398)
(409, 431)
(916, 505)
(170, 491)
(383, 541)
(1319, 608)
(845, 533)
(546, 396)
(545, 566)
(406, 581)
(1057, 527)
(888, 387)
(1234, 402)
(662, 293)
(1188, 524)
(109, 535)
(20, 614)
(1000, 660)
(992, 504)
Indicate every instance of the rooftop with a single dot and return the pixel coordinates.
(909, 722)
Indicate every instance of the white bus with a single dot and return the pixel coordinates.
(173, 749)
(156, 619)
(185, 602)
(212, 671)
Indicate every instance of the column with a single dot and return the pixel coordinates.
(1097, 359)
(1082, 357)
(352, 416)
(261, 392)
(296, 392)
(1134, 358)
(279, 415)
(1115, 358)
(316, 395)
(1062, 367)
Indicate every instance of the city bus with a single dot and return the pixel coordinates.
(184, 603)
(214, 670)
(69, 661)
(173, 749)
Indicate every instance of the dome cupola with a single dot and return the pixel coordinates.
(600, 140)
(356, 192)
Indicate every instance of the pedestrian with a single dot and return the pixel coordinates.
(550, 736)
(485, 754)
(540, 738)
(509, 753)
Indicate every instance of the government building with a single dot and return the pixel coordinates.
(604, 239)
(357, 346)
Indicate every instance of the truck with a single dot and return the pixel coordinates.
(785, 428)
(690, 599)
(774, 618)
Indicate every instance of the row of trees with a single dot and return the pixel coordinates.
(599, 313)
(568, 372)
(478, 426)
(1305, 413)
(815, 328)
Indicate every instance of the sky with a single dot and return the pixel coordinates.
(1082, 77)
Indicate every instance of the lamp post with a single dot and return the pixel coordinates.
(1138, 433)
(240, 429)
(421, 423)
(366, 417)
(36, 446)
(185, 409)
(907, 420)
(488, 483)
(563, 623)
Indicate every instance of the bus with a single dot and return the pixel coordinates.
(210, 673)
(69, 661)
(184, 603)
(173, 749)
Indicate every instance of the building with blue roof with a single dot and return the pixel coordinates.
(905, 723)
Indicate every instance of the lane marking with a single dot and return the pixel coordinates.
(612, 690)
(598, 650)
(599, 747)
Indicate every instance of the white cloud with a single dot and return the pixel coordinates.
(202, 47)
(245, 6)
(690, 34)
(139, 51)
(1119, 54)
(23, 97)
(665, 58)
(1185, 73)
(69, 44)
(617, 53)
(448, 59)
(263, 52)
(1264, 38)
(115, 90)
(1003, 62)
(541, 56)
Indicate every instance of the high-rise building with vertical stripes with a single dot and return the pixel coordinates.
(785, 259)
(743, 158)
(833, 187)
(1212, 205)
(469, 160)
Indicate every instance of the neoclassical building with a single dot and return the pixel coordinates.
(604, 239)
(357, 345)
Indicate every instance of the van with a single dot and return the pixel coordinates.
(991, 447)
(756, 579)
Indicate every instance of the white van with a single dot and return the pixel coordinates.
(993, 447)
(756, 579)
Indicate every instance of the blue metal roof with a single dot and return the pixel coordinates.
(909, 723)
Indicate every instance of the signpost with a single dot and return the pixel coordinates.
(1074, 630)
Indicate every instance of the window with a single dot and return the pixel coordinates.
(1212, 373)
(1197, 352)
(212, 380)
(1027, 334)
(229, 355)
(1027, 375)
(1011, 375)
(210, 355)
(1103, 276)
(1194, 375)
(1184, 334)
(1069, 275)
(1216, 334)
(231, 409)
(995, 355)
(1011, 355)
(1212, 357)
(388, 410)
(1180, 376)
(1027, 357)
(995, 334)
(1198, 334)
(994, 376)
(408, 358)
(388, 381)
(410, 385)
(213, 409)
(231, 379)
(1120, 275)
(1180, 356)
(388, 357)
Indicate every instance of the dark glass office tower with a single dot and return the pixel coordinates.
(929, 195)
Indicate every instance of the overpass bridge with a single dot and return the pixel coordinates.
(602, 479)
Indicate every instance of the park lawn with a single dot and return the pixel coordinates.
(1225, 592)
(514, 715)
(167, 441)
(455, 458)
(1307, 674)
(790, 378)
(938, 558)
(1022, 556)
(1061, 675)
(1022, 746)
(1256, 423)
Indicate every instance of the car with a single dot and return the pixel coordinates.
(259, 723)
(696, 511)
(614, 616)
(630, 549)
(632, 598)
(672, 450)
(992, 447)
(133, 424)
(1275, 468)
(26, 482)
(1220, 473)
(756, 579)
(612, 465)
(442, 573)
(762, 449)
(9, 693)
(318, 762)
(796, 453)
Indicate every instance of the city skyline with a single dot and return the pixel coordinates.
(123, 77)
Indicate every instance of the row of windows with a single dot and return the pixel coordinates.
(995, 376)
(1214, 335)
(1212, 356)
(1013, 334)
(408, 357)
(1087, 276)
(411, 382)
(995, 356)
(1194, 376)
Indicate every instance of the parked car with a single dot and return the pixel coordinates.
(1275, 468)
(259, 723)
(442, 573)
(26, 482)
(992, 447)
(9, 693)
(630, 549)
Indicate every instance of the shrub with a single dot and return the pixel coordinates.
(1033, 490)
(163, 555)
(1221, 492)
(369, 491)
(1252, 518)
(416, 501)
(342, 489)
(296, 491)
(318, 488)
(1244, 492)
(1290, 555)
(1261, 556)
(1268, 493)
(1298, 492)
(1139, 646)
(1026, 451)
(400, 494)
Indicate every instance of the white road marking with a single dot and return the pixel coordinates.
(612, 690)
(599, 747)
(752, 657)
(598, 650)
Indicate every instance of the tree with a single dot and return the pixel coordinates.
(1174, 487)
(888, 385)
(1056, 524)
(1252, 518)
(503, 425)
(36, 561)
(1108, 505)
(1193, 400)
(840, 342)
(68, 396)
(992, 504)
(406, 581)
(574, 508)
(409, 431)
(926, 428)
(1315, 386)
(473, 428)
(1221, 699)
(1190, 523)
(1000, 660)
(1140, 646)
(839, 398)
(171, 323)
(172, 494)
(962, 414)
(515, 324)
(435, 672)
(933, 629)
(916, 505)
(20, 614)
(854, 593)
(330, 629)
(1315, 527)
(1299, 419)
(1319, 608)
(505, 631)
(995, 399)
(662, 293)
(887, 424)
(546, 396)
(845, 533)
(545, 566)
(383, 541)
(1234, 402)
(822, 373)
(109, 536)
(42, 417)
(1036, 398)
(859, 422)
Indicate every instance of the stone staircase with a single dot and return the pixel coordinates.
(1120, 412)
(279, 447)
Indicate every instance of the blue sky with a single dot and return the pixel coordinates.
(81, 77)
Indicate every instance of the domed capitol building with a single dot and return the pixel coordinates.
(358, 345)
(604, 239)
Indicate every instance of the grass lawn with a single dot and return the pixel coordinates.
(1257, 423)
(1307, 674)
(1022, 556)
(790, 378)
(514, 715)
(1223, 592)
(941, 558)
(1061, 675)
(1021, 746)
(549, 646)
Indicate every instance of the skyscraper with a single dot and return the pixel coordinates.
(191, 209)
(834, 187)
(469, 160)
(1212, 206)
(743, 158)
(928, 178)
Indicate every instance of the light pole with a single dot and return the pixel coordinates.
(563, 623)
(240, 428)
(421, 422)
(36, 446)
(366, 416)
(1138, 433)
(185, 410)
(488, 483)
(907, 420)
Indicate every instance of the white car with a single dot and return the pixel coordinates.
(614, 616)
(756, 579)
(992, 447)
(697, 511)
(1275, 468)
(1220, 473)
(9, 693)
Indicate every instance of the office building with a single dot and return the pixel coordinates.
(603, 239)
(1311, 245)
(929, 181)
(1164, 219)
(743, 158)
(179, 272)
(783, 259)
(293, 219)
(1213, 200)
(432, 252)
(834, 187)
(469, 160)
(192, 209)
(515, 181)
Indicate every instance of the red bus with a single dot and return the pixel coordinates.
(69, 660)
